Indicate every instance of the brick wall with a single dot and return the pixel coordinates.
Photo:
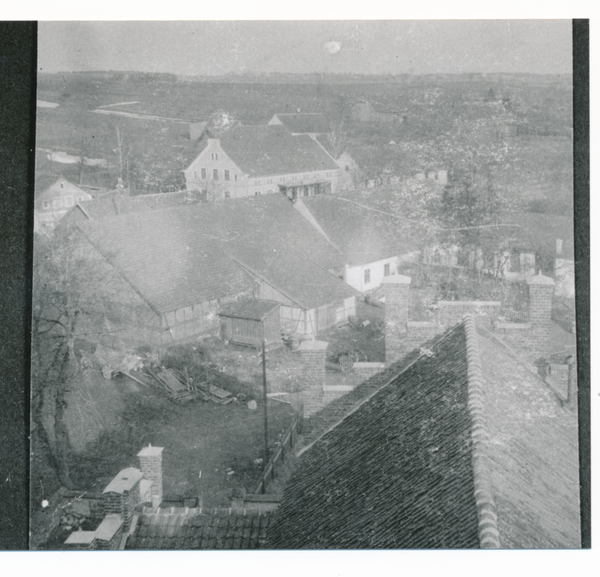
(451, 313)
(396, 290)
(541, 289)
(365, 371)
(332, 392)
(312, 376)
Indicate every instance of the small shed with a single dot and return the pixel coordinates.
(247, 322)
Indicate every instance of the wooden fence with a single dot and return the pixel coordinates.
(285, 447)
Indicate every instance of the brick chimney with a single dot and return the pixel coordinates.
(151, 465)
(541, 289)
(396, 289)
(313, 355)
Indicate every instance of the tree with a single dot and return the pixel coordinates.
(71, 292)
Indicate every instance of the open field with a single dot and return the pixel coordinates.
(157, 151)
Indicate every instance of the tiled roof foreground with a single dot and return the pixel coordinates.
(183, 529)
(462, 448)
(396, 473)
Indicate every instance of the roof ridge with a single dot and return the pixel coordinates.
(489, 537)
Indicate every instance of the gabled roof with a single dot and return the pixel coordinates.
(304, 122)
(363, 235)
(270, 150)
(180, 256)
(114, 204)
(462, 448)
(184, 529)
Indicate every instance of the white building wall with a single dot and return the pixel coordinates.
(355, 275)
(213, 157)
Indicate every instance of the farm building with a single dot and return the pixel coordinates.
(178, 266)
(255, 160)
(54, 197)
(372, 242)
(313, 124)
(250, 322)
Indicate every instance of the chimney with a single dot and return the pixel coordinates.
(151, 465)
(396, 289)
(541, 289)
(571, 383)
(313, 355)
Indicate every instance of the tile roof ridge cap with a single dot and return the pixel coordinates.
(489, 537)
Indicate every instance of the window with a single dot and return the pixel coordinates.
(386, 269)
(46, 204)
(216, 156)
(203, 173)
(226, 175)
(215, 174)
(235, 177)
(62, 184)
(257, 193)
(195, 175)
(270, 190)
(367, 275)
(68, 201)
(257, 182)
(80, 198)
(269, 181)
(227, 195)
(57, 203)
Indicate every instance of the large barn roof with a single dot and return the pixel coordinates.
(184, 255)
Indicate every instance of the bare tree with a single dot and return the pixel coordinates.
(70, 297)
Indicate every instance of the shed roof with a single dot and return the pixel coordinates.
(184, 529)
(254, 310)
(305, 122)
(125, 480)
(401, 469)
(270, 150)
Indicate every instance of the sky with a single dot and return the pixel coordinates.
(294, 46)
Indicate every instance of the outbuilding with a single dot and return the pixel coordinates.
(248, 322)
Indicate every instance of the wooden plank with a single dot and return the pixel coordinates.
(217, 392)
(134, 378)
(169, 378)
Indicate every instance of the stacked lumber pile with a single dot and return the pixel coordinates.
(178, 386)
